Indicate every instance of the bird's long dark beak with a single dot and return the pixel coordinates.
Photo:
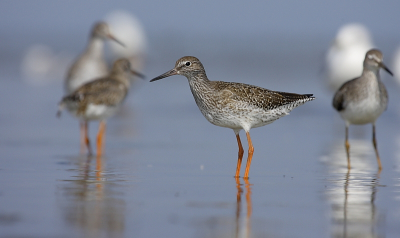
(383, 66)
(138, 74)
(111, 37)
(167, 74)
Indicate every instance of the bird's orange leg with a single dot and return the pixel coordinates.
(85, 137)
(376, 147)
(100, 137)
(250, 156)
(240, 156)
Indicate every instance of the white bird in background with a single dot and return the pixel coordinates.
(396, 64)
(345, 57)
(129, 30)
(90, 65)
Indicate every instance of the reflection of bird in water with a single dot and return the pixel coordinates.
(129, 30)
(362, 100)
(235, 105)
(89, 66)
(354, 213)
(344, 57)
(88, 203)
(352, 193)
(100, 99)
(249, 208)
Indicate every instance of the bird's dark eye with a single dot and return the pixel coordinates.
(187, 63)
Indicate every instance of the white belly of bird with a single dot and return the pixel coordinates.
(245, 118)
(99, 112)
(363, 112)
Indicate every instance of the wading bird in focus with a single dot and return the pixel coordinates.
(235, 105)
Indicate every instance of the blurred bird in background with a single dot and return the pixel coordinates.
(346, 54)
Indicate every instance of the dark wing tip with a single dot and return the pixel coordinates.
(311, 96)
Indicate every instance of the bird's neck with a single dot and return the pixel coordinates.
(371, 73)
(95, 47)
(201, 87)
(372, 81)
(198, 80)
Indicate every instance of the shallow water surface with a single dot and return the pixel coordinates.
(167, 172)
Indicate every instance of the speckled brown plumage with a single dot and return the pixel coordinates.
(257, 96)
(235, 105)
(100, 99)
(103, 92)
(109, 91)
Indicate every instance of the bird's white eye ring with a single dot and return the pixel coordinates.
(187, 63)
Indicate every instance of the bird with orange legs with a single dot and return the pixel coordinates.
(363, 99)
(89, 66)
(235, 105)
(100, 99)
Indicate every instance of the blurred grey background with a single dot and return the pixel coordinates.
(202, 28)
